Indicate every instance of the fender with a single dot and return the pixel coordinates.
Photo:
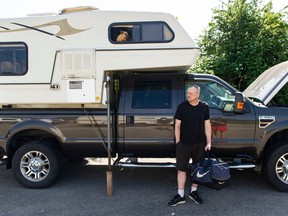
(44, 125)
(270, 130)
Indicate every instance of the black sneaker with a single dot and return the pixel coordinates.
(195, 197)
(177, 200)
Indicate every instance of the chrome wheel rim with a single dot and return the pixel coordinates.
(35, 166)
(282, 168)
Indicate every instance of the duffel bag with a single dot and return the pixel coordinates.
(211, 172)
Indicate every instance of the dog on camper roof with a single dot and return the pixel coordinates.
(123, 36)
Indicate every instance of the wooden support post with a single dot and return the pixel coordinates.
(109, 178)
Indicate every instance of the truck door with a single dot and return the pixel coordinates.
(230, 131)
(146, 124)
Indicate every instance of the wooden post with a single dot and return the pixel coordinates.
(109, 178)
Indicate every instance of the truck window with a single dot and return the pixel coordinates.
(152, 95)
(13, 59)
(215, 94)
(144, 32)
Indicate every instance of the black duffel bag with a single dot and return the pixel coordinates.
(211, 172)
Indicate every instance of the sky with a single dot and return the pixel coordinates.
(194, 15)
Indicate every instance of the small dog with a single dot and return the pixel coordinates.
(123, 36)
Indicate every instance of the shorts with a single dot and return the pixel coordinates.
(184, 153)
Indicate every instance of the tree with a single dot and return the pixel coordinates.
(243, 39)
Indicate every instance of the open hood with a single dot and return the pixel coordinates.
(267, 85)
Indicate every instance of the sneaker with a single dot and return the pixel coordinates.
(195, 197)
(177, 200)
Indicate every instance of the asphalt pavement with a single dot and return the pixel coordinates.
(81, 190)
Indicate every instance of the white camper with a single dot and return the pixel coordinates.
(62, 59)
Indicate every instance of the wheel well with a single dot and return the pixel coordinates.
(25, 136)
(278, 139)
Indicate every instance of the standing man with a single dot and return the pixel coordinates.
(193, 139)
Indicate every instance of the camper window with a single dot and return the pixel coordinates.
(13, 59)
(144, 32)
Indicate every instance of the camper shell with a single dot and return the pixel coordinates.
(62, 60)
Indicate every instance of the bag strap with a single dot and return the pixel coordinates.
(208, 156)
(209, 153)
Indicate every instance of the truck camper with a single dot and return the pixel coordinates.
(61, 60)
(53, 103)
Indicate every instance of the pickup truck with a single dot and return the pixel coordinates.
(245, 132)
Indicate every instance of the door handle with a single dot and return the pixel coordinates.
(130, 120)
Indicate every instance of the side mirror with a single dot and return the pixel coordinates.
(239, 103)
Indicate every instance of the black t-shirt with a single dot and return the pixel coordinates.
(192, 122)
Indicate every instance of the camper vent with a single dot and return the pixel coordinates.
(78, 64)
(75, 84)
(78, 9)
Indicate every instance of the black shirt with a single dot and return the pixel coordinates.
(192, 130)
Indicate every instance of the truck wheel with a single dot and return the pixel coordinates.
(37, 164)
(277, 168)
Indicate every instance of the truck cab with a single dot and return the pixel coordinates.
(150, 101)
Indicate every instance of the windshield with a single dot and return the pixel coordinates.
(216, 95)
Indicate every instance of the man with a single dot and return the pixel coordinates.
(193, 139)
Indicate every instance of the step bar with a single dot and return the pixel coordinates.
(3, 161)
(140, 164)
(168, 165)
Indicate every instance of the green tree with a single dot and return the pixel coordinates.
(244, 38)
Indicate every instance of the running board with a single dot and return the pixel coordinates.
(3, 161)
(167, 165)
(241, 166)
(139, 164)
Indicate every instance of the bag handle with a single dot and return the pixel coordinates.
(209, 153)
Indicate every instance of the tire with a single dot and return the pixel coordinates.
(37, 164)
(276, 168)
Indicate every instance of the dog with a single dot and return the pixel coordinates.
(123, 36)
(6, 67)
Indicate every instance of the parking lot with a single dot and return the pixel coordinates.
(81, 190)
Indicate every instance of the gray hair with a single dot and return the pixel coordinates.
(196, 87)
